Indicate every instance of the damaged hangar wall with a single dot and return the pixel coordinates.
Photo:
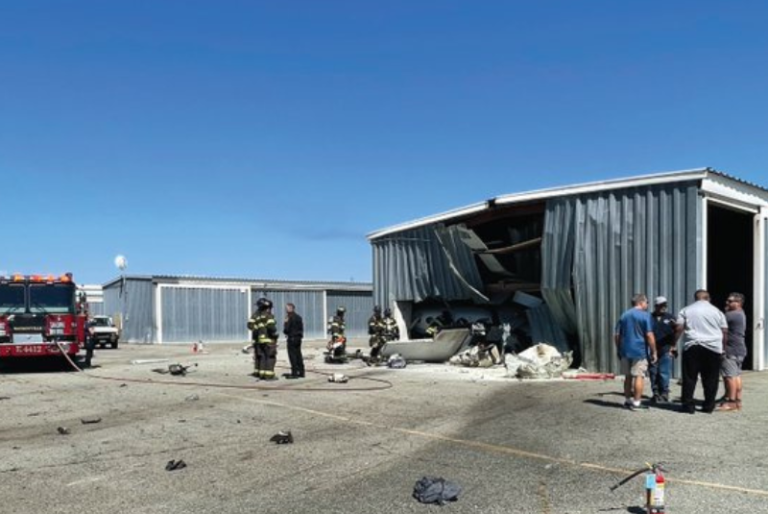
(422, 263)
(608, 246)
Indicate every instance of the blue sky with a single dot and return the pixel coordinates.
(265, 139)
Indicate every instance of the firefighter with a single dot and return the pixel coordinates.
(337, 347)
(90, 342)
(263, 328)
(376, 331)
(391, 331)
(443, 321)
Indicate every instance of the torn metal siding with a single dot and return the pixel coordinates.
(412, 266)
(557, 262)
(639, 240)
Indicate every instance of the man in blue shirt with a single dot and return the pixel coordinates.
(635, 343)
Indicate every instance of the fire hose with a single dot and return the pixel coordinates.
(379, 383)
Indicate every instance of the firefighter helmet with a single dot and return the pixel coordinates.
(387, 312)
(341, 310)
(263, 304)
(377, 309)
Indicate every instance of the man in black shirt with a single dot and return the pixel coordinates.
(293, 328)
(664, 325)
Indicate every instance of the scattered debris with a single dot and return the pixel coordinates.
(174, 369)
(148, 361)
(123, 385)
(396, 361)
(282, 437)
(63, 430)
(174, 465)
(432, 490)
(540, 361)
(338, 378)
(4, 398)
(90, 421)
(33, 414)
(479, 356)
(192, 398)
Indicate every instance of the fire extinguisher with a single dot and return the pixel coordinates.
(655, 487)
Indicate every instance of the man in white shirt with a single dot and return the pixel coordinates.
(704, 330)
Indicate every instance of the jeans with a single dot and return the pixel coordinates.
(661, 373)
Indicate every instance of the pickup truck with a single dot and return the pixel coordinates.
(104, 331)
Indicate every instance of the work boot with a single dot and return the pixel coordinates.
(665, 398)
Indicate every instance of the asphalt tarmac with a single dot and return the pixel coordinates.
(541, 447)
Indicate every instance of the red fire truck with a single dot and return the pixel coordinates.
(36, 313)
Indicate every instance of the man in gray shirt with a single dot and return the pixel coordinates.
(735, 352)
(704, 330)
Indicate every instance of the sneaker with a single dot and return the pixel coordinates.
(634, 407)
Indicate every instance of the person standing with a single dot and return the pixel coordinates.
(376, 332)
(293, 328)
(735, 352)
(664, 331)
(704, 331)
(264, 332)
(635, 341)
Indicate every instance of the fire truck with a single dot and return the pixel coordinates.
(38, 313)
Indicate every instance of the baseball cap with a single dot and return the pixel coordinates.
(660, 300)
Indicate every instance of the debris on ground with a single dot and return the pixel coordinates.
(192, 398)
(396, 361)
(123, 385)
(90, 421)
(479, 356)
(148, 361)
(174, 369)
(4, 398)
(173, 465)
(338, 378)
(282, 437)
(63, 430)
(540, 361)
(435, 490)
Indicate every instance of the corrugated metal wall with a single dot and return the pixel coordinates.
(96, 309)
(135, 304)
(359, 309)
(765, 291)
(192, 314)
(412, 266)
(639, 240)
(309, 304)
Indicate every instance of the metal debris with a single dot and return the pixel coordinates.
(63, 430)
(192, 398)
(282, 437)
(432, 490)
(338, 378)
(90, 421)
(174, 465)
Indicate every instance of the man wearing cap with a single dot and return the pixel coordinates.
(664, 325)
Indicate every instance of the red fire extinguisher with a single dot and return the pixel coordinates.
(655, 487)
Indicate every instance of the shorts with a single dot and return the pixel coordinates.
(731, 366)
(634, 367)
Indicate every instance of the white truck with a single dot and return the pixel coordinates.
(105, 332)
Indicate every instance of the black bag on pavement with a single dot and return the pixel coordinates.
(431, 490)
